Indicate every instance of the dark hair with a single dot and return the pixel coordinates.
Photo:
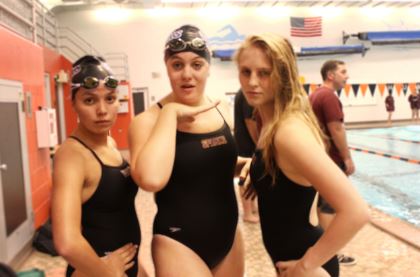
(89, 66)
(187, 33)
(328, 66)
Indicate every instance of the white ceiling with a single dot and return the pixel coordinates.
(61, 5)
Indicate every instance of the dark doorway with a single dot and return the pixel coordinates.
(140, 96)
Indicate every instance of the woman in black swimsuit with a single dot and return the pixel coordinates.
(291, 165)
(183, 150)
(94, 220)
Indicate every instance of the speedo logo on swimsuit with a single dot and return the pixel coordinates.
(212, 142)
(126, 171)
(174, 229)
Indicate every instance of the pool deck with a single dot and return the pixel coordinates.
(381, 254)
(378, 252)
(396, 227)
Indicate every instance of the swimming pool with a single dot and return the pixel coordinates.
(390, 185)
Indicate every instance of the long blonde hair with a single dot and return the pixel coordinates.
(289, 96)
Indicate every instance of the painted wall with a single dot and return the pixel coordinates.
(119, 131)
(141, 34)
(21, 60)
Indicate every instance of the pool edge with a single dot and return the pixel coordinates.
(396, 227)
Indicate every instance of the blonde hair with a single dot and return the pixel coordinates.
(289, 96)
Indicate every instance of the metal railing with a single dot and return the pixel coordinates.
(33, 21)
(73, 45)
(118, 61)
(18, 16)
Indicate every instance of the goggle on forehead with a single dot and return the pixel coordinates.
(91, 82)
(178, 44)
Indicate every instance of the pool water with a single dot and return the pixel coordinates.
(390, 185)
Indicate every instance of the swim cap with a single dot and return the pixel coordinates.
(89, 66)
(187, 38)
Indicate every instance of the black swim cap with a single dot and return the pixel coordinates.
(89, 66)
(187, 38)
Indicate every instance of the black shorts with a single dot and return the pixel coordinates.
(323, 206)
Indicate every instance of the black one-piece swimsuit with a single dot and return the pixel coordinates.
(284, 209)
(198, 206)
(109, 219)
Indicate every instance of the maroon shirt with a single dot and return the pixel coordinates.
(414, 101)
(389, 103)
(328, 108)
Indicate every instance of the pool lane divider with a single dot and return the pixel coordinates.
(389, 137)
(407, 140)
(413, 161)
(399, 139)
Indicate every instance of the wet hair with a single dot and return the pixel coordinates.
(290, 98)
(187, 33)
(89, 66)
(330, 65)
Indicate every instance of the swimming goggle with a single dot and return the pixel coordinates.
(93, 82)
(178, 44)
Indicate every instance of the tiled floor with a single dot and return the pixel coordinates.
(379, 254)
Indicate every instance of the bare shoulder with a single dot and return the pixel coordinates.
(141, 127)
(70, 152)
(294, 132)
(70, 166)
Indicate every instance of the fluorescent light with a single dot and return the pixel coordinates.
(376, 12)
(211, 1)
(327, 12)
(112, 14)
(162, 12)
(218, 13)
(273, 13)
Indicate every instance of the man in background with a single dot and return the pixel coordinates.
(329, 111)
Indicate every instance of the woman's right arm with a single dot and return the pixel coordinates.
(152, 139)
(68, 180)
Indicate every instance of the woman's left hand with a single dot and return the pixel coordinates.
(245, 180)
(294, 268)
(244, 174)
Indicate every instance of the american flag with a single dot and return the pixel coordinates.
(306, 26)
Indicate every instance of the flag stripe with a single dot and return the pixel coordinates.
(307, 33)
(306, 26)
